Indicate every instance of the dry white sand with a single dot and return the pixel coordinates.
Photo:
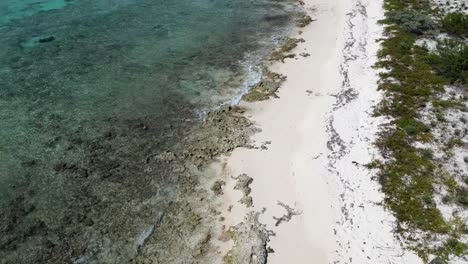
(319, 128)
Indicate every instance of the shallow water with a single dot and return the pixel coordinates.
(88, 89)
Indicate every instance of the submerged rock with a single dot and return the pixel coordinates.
(46, 39)
(166, 157)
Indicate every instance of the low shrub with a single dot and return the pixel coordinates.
(452, 61)
(456, 247)
(412, 21)
(456, 23)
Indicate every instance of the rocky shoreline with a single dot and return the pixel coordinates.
(167, 214)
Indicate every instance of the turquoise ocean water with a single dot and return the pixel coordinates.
(89, 87)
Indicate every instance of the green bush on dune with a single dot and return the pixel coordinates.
(412, 21)
(456, 23)
(451, 61)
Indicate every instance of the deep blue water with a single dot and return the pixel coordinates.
(78, 81)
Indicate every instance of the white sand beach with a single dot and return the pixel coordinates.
(321, 131)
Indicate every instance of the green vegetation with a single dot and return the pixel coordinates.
(456, 23)
(451, 61)
(447, 103)
(412, 21)
(455, 247)
(413, 78)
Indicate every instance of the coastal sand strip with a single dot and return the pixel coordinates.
(320, 131)
(363, 229)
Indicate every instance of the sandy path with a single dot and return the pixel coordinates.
(318, 128)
